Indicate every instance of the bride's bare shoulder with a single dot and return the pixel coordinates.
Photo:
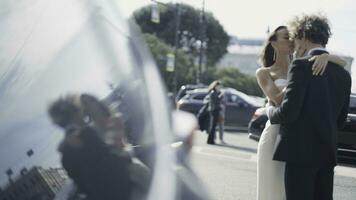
(262, 73)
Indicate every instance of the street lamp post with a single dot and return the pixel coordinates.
(176, 41)
(202, 43)
(10, 172)
(176, 46)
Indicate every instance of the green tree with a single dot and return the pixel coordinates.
(209, 75)
(159, 51)
(232, 77)
(189, 34)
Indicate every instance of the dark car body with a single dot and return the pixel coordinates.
(257, 124)
(185, 88)
(239, 107)
(347, 136)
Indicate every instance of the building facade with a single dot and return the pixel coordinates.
(243, 54)
(35, 184)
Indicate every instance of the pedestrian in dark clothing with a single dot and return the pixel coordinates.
(214, 107)
(221, 120)
(204, 118)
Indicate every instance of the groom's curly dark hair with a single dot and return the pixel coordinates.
(314, 28)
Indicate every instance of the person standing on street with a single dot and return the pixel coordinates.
(214, 107)
(221, 119)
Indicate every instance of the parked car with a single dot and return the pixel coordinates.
(239, 106)
(56, 54)
(347, 136)
(257, 123)
(185, 88)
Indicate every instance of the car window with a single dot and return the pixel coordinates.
(233, 98)
(247, 99)
(199, 96)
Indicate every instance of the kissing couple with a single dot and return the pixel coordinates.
(308, 93)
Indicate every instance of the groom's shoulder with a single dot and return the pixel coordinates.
(302, 61)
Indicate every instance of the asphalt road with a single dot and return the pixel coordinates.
(229, 170)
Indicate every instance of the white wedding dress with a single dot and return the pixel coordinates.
(270, 173)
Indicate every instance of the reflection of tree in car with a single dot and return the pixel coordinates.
(100, 170)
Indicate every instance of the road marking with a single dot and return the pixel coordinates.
(221, 150)
(221, 153)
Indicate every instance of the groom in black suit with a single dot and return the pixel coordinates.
(312, 112)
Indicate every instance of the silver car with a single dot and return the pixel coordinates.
(84, 114)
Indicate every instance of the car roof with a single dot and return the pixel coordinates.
(255, 101)
(199, 90)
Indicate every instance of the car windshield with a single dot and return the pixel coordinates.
(199, 96)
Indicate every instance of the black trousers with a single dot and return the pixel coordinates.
(309, 182)
(214, 115)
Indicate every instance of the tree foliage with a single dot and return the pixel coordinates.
(190, 30)
(232, 77)
(160, 39)
(159, 51)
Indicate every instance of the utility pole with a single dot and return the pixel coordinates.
(176, 47)
(202, 43)
(177, 14)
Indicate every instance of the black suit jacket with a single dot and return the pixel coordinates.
(313, 110)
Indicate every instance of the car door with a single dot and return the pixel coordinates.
(237, 112)
(197, 101)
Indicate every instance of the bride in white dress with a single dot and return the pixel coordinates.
(272, 78)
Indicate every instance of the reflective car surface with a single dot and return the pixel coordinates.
(239, 106)
(84, 114)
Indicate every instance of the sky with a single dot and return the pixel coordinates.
(251, 18)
